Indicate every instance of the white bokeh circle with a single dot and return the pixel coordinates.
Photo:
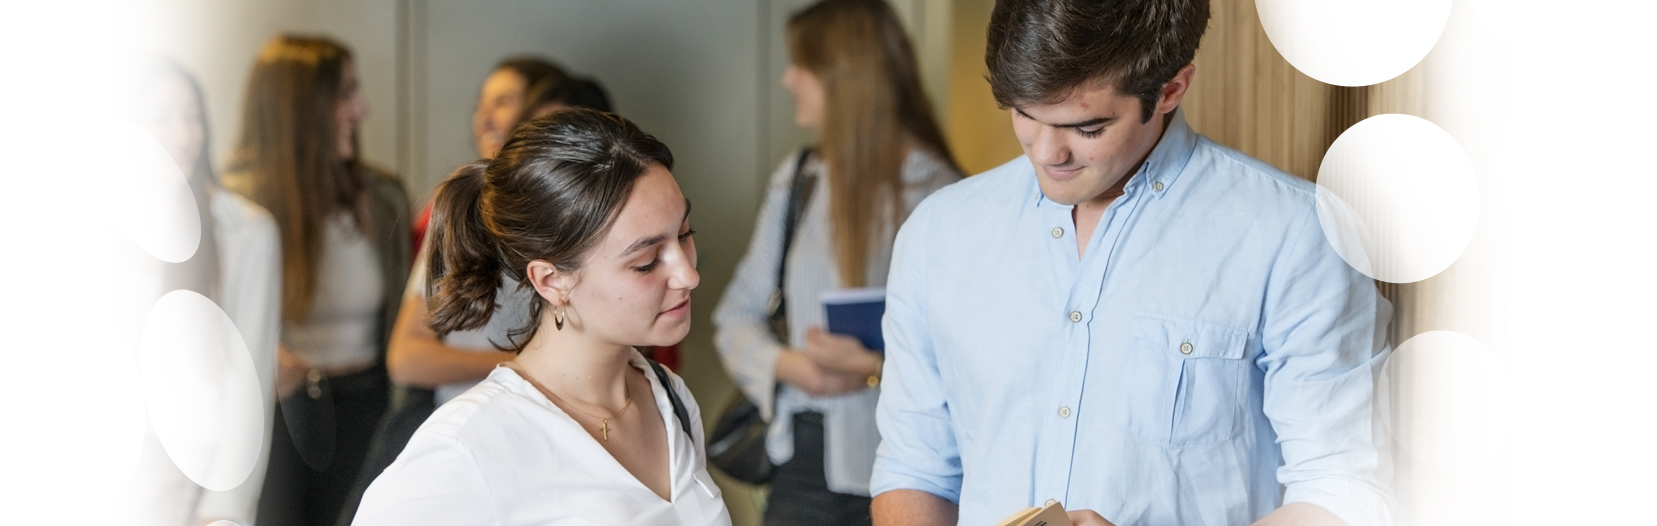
(1353, 42)
(201, 390)
(151, 201)
(1447, 391)
(1397, 198)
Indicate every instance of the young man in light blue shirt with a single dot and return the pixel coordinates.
(1130, 319)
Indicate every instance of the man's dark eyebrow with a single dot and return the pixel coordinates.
(1084, 124)
(652, 240)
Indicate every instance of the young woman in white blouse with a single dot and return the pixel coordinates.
(578, 428)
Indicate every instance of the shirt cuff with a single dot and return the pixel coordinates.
(890, 477)
(1354, 503)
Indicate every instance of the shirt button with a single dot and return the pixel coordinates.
(1157, 186)
(1064, 411)
(1075, 316)
(1185, 348)
(1051, 502)
(1058, 232)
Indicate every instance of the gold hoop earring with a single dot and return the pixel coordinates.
(558, 317)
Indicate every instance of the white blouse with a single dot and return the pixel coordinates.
(502, 454)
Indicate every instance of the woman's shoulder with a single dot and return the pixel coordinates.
(235, 214)
(477, 408)
(384, 184)
(783, 176)
(927, 168)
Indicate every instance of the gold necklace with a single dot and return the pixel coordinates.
(603, 423)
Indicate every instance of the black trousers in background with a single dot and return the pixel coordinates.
(317, 447)
(799, 488)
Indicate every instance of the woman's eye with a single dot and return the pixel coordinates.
(1090, 133)
(687, 235)
(646, 268)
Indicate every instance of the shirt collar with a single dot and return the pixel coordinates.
(1168, 158)
(1163, 165)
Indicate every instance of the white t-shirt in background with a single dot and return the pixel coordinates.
(340, 329)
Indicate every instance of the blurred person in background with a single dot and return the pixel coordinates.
(853, 76)
(500, 107)
(236, 266)
(501, 99)
(345, 257)
(581, 210)
(545, 97)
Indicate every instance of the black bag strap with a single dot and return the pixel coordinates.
(799, 193)
(679, 410)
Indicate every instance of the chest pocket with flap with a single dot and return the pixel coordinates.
(1203, 373)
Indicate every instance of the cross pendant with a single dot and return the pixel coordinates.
(604, 427)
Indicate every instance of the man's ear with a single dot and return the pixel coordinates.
(1174, 91)
(550, 283)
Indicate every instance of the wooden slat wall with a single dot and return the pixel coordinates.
(979, 132)
(1247, 97)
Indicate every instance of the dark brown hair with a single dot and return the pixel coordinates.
(571, 92)
(533, 70)
(874, 113)
(288, 150)
(550, 195)
(1041, 50)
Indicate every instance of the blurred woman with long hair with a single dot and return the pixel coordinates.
(345, 254)
(235, 266)
(854, 79)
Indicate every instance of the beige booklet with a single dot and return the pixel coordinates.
(1052, 515)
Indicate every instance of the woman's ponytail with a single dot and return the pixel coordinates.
(464, 269)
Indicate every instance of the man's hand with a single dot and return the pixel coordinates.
(1087, 518)
(841, 354)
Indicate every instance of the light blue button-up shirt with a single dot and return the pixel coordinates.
(1209, 359)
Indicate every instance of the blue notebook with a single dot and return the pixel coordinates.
(857, 313)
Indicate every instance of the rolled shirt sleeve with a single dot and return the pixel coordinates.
(1323, 347)
(918, 449)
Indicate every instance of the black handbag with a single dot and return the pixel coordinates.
(737, 445)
